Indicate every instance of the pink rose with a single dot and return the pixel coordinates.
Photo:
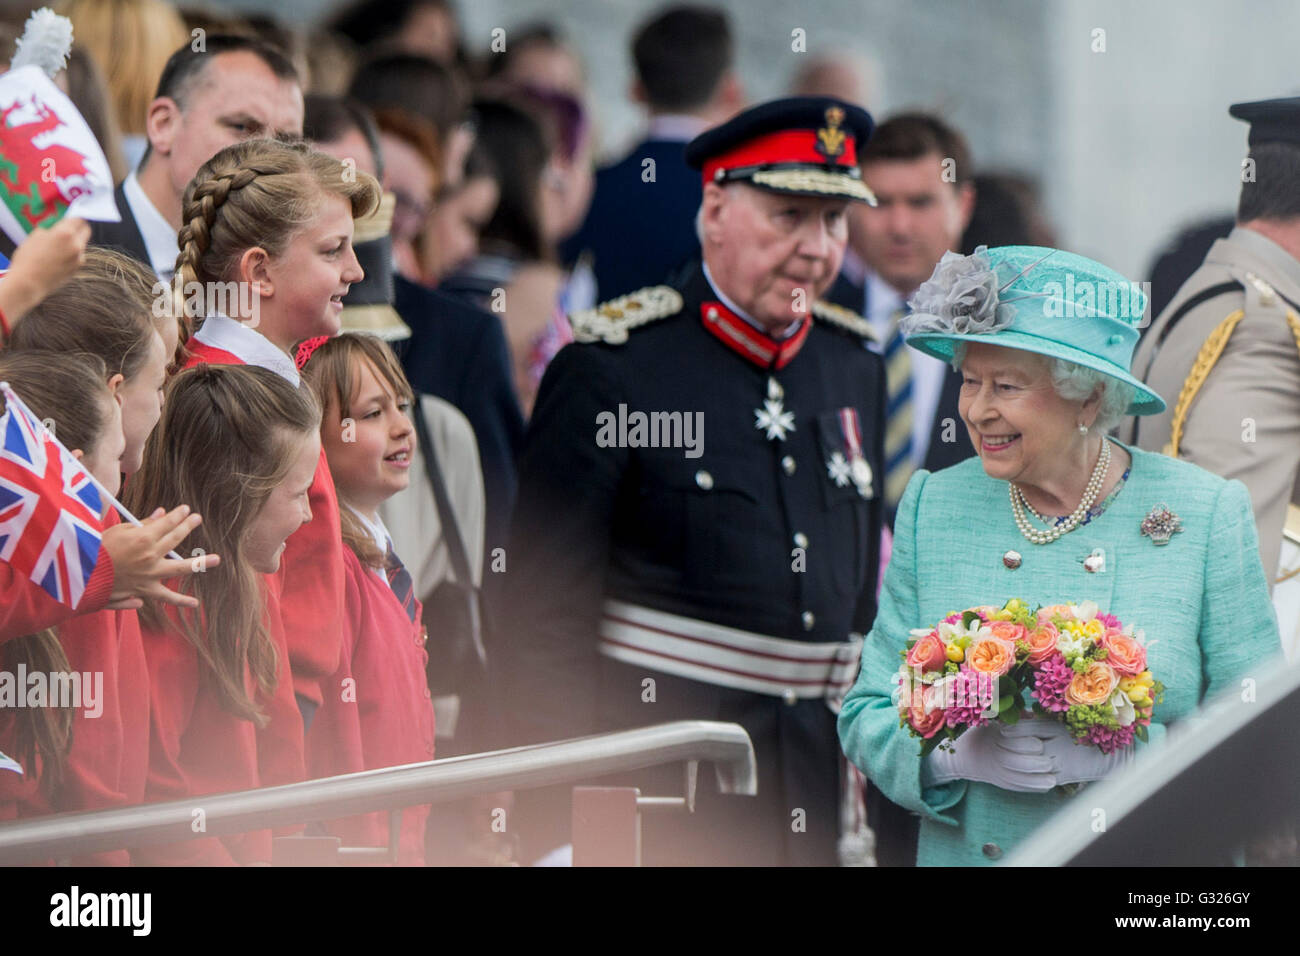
(928, 653)
(927, 723)
(1126, 655)
(1053, 610)
(1042, 642)
(1007, 631)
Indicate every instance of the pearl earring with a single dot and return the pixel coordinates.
(1083, 429)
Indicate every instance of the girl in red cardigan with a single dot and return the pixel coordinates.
(64, 388)
(265, 260)
(377, 710)
(242, 444)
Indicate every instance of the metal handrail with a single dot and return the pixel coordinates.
(726, 746)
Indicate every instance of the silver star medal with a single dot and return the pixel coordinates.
(862, 476)
(837, 467)
(772, 417)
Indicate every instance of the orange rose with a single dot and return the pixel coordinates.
(1094, 685)
(1126, 655)
(1042, 642)
(928, 653)
(991, 656)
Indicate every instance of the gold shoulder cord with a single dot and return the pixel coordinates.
(1205, 361)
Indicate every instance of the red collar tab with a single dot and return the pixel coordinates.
(830, 148)
(741, 337)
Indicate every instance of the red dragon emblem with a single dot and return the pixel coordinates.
(38, 183)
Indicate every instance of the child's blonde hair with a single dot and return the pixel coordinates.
(257, 193)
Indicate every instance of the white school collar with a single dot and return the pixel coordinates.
(248, 345)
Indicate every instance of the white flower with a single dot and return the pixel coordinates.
(949, 633)
(1072, 645)
(1086, 611)
(1123, 708)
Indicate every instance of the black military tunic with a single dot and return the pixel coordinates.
(766, 530)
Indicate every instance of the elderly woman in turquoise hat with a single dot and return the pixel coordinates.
(1052, 511)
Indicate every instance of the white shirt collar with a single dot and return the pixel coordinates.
(741, 312)
(675, 127)
(158, 234)
(246, 344)
(378, 533)
(883, 300)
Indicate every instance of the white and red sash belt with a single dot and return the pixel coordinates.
(727, 656)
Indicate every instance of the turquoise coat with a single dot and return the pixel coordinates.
(1202, 600)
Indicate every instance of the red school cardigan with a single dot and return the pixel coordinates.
(106, 764)
(108, 761)
(377, 710)
(197, 747)
(310, 598)
(26, 607)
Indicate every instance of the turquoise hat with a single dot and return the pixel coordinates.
(1038, 300)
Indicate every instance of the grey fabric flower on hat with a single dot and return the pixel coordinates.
(960, 298)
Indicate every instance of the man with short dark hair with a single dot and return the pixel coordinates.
(684, 79)
(1225, 353)
(234, 88)
(920, 170)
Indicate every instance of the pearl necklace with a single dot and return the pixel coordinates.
(1090, 494)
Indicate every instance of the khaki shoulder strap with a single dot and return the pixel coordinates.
(1209, 354)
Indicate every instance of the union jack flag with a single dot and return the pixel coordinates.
(50, 509)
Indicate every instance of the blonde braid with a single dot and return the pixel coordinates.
(256, 194)
(202, 201)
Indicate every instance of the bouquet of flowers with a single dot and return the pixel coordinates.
(1082, 666)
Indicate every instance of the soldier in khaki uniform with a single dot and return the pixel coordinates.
(1225, 353)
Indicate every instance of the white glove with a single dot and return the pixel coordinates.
(1072, 762)
(984, 754)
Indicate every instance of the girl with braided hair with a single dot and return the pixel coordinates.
(265, 261)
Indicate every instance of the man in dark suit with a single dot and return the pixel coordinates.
(920, 170)
(230, 89)
(641, 224)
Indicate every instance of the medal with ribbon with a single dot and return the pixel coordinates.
(851, 465)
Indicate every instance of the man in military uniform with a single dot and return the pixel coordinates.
(700, 496)
(1225, 353)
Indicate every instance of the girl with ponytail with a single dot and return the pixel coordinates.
(265, 260)
(242, 444)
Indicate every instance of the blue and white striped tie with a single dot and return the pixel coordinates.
(898, 413)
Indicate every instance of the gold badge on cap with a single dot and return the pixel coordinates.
(830, 138)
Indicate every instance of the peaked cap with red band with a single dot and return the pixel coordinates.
(804, 146)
